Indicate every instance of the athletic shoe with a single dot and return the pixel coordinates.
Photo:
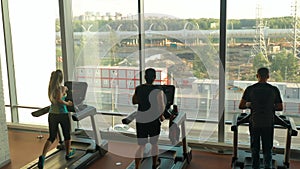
(41, 162)
(71, 154)
(157, 166)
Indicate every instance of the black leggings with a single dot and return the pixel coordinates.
(64, 121)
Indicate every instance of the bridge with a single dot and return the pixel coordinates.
(182, 37)
(186, 34)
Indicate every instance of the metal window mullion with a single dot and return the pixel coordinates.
(141, 38)
(67, 39)
(67, 45)
(222, 62)
(10, 62)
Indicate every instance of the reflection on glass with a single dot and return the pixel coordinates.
(184, 52)
(181, 42)
(184, 46)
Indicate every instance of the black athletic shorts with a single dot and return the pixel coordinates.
(145, 130)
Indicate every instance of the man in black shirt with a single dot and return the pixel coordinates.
(263, 99)
(151, 105)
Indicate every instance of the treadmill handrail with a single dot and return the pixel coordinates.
(293, 129)
(88, 111)
(278, 120)
(41, 111)
(180, 118)
(244, 118)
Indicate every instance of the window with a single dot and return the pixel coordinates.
(262, 35)
(179, 38)
(33, 25)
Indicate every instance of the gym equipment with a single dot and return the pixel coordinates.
(40, 112)
(76, 93)
(87, 149)
(175, 157)
(171, 156)
(242, 158)
(169, 91)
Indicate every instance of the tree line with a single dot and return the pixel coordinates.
(161, 24)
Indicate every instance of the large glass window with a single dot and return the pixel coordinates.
(106, 54)
(263, 33)
(33, 25)
(179, 38)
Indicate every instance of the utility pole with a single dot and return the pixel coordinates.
(295, 34)
(259, 42)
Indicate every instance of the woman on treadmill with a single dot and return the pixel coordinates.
(151, 105)
(58, 114)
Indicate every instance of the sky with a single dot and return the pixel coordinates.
(236, 9)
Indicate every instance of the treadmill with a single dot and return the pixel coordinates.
(171, 156)
(242, 158)
(87, 149)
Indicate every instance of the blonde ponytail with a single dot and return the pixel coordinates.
(54, 85)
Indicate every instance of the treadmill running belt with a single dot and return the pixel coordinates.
(58, 160)
(248, 163)
(166, 163)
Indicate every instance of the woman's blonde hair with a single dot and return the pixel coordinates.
(54, 87)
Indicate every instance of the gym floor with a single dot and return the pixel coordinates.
(25, 147)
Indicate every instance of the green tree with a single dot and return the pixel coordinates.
(199, 69)
(286, 66)
(276, 76)
(259, 61)
(59, 58)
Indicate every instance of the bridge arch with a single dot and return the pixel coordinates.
(193, 25)
(119, 27)
(150, 27)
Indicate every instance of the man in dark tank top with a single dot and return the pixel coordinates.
(151, 105)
